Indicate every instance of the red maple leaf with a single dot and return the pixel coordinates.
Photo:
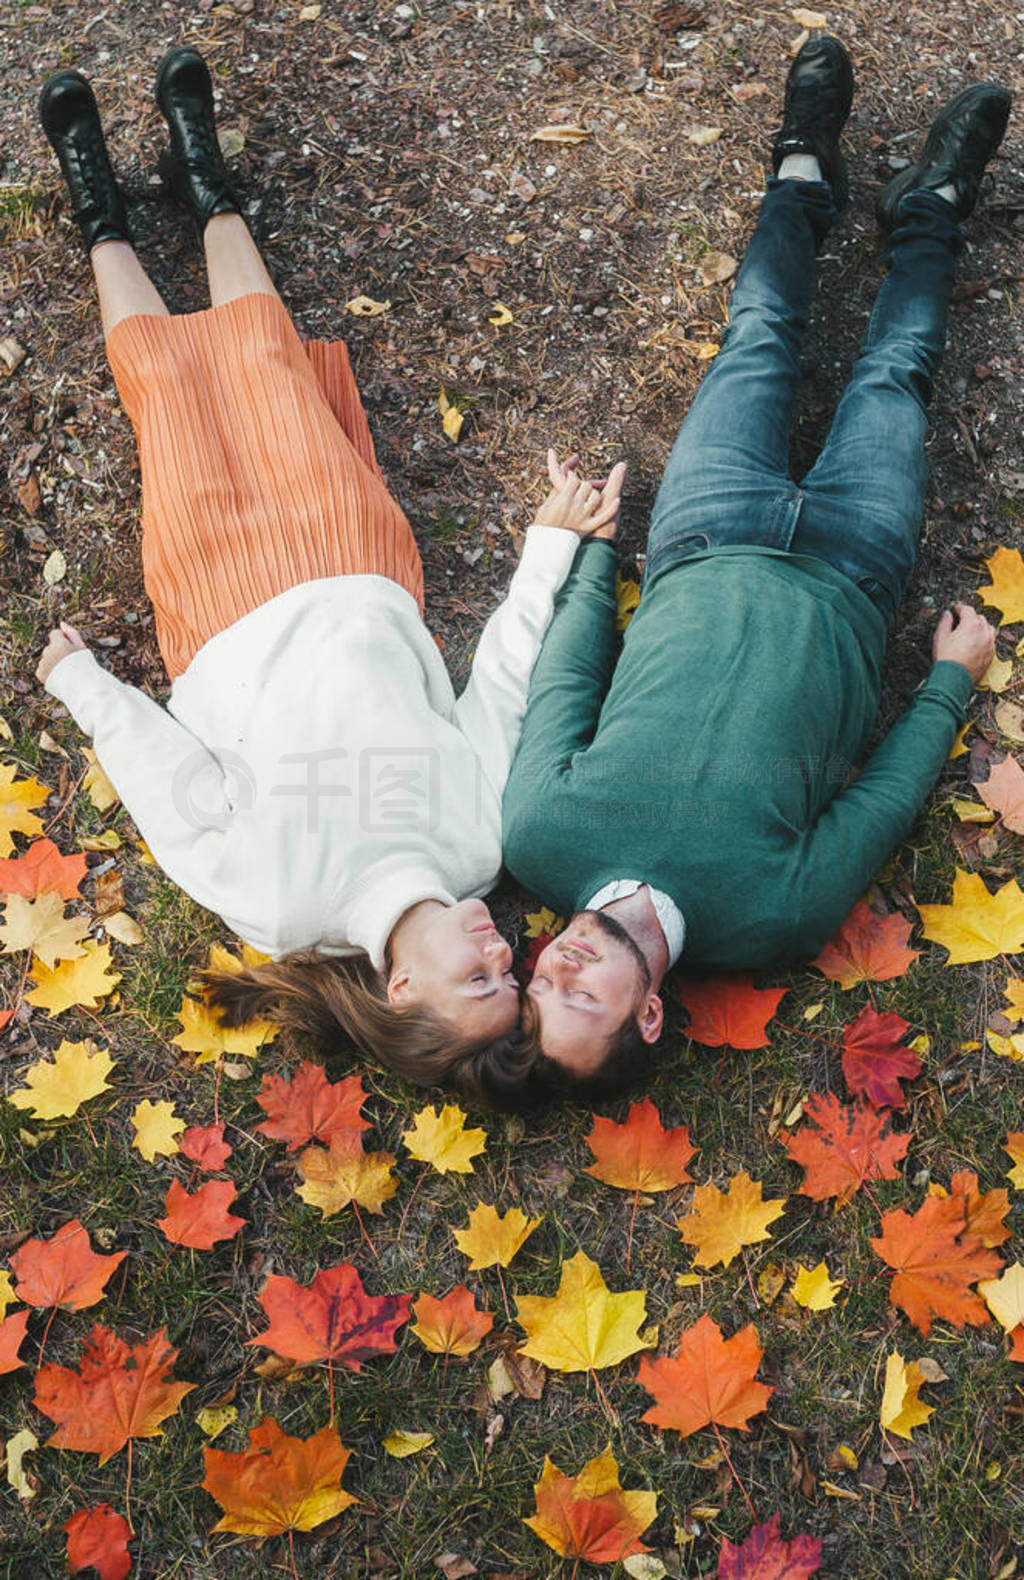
(309, 1107)
(333, 1320)
(118, 1393)
(98, 1539)
(729, 1011)
(765, 1556)
(42, 870)
(874, 1062)
(200, 1220)
(64, 1270)
(867, 948)
(12, 1337)
(841, 1147)
(711, 1379)
(205, 1146)
(936, 1261)
(640, 1155)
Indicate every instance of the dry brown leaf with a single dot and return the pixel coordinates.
(703, 135)
(560, 134)
(718, 267)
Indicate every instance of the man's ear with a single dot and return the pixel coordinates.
(399, 986)
(651, 1018)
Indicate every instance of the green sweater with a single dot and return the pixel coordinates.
(712, 760)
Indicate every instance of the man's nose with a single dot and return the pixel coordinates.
(567, 966)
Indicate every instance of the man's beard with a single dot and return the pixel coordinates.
(615, 930)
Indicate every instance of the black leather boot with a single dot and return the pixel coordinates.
(71, 121)
(963, 137)
(193, 169)
(819, 92)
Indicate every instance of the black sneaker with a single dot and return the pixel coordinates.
(819, 92)
(193, 169)
(71, 121)
(963, 137)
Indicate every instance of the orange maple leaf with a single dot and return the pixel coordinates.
(841, 1147)
(936, 1261)
(278, 1483)
(710, 1380)
(765, 1556)
(98, 1539)
(1013, 1146)
(42, 870)
(867, 948)
(451, 1325)
(1003, 791)
(333, 1320)
(118, 1393)
(729, 1011)
(874, 1060)
(721, 1223)
(640, 1155)
(1007, 585)
(590, 1516)
(201, 1219)
(12, 1337)
(309, 1107)
(985, 1210)
(204, 1145)
(64, 1270)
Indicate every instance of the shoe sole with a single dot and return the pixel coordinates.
(907, 180)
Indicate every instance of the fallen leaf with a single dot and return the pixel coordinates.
(703, 136)
(1004, 1297)
(590, 1516)
(1009, 717)
(997, 676)
(867, 948)
(401, 1445)
(976, 925)
(710, 1380)
(842, 1146)
(12, 1337)
(875, 1060)
(959, 747)
(12, 355)
(205, 1034)
(490, 1240)
(500, 316)
(720, 1225)
(729, 1011)
(98, 1539)
(902, 1410)
(585, 1326)
(344, 1173)
(640, 1155)
(42, 870)
(809, 19)
(124, 928)
(560, 133)
(15, 1449)
(278, 1483)
(216, 1419)
(1003, 791)
(815, 1289)
(1006, 569)
(765, 1556)
(1014, 1149)
(442, 1140)
(627, 600)
(96, 784)
(231, 141)
(334, 1319)
(201, 1219)
(118, 1393)
(451, 1325)
(157, 1128)
(451, 417)
(55, 568)
(984, 1210)
(743, 91)
(57, 1088)
(64, 1270)
(308, 1107)
(41, 926)
(542, 923)
(366, 307)
(83, 983)
(717, 267)
(935, 1262)
(204, 1145)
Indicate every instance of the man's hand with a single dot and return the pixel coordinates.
(970, 641)
(62, 641)
(590, 509)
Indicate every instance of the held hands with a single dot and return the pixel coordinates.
(590, 509)
(971, 641)
(62, 641)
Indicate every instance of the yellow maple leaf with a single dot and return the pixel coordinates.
(345, 1173)
(815, 1289)
(85, 982)
(1004, 1296)
(976, 925)
(442, 1139)
(17, 800)
(627, 598)
(1014, 992)
(96, 784)
(157, 1128)
(720, 1225)
(959, 747)
(451, 417)
(7, 1295)
(490, 1240)
(542, 921)
(901, 1409)
(585, 1326)
(1014, 1149)
(215, 1419)
(997, 676)
(401, 1444)
(1007, 585)
(40, 925)
(590, 1515)
(204, 1034)
(57, 1088)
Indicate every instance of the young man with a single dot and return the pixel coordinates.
(697, 795)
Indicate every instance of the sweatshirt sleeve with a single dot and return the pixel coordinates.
(873, 814)
(490, 710)
(171, 784)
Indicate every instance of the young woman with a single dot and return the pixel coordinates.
(313, 778)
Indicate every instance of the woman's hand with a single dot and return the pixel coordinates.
(64, 640)
(590, 509)
(970, 642)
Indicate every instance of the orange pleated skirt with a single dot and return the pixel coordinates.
(258, 469)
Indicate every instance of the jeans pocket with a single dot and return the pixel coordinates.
(879, 594)
(673, 551)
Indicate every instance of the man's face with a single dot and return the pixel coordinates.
(584, 985)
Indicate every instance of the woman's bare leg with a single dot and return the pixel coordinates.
(124, 287)
(233, 264)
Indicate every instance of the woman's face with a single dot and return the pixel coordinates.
(461, 968)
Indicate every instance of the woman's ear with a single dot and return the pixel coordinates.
(399, 986)
(651, 1018)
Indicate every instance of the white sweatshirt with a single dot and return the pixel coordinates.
(313, 774)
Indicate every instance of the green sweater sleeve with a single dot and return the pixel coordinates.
(868, 819)
(574, 669)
